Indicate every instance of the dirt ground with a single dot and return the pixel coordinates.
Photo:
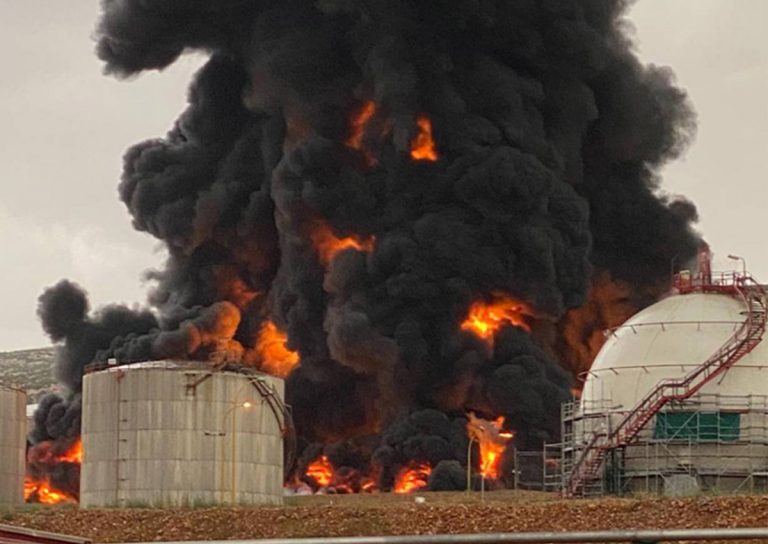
(355, 515)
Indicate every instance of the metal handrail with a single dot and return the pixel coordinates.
(591, 445)
(646, 536)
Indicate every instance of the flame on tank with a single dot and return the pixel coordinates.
(412, 478)
(486, 318)
(41, 490)
(276, 358)
(328, 245)
(320, 471)
(492, 442)
(423, 145)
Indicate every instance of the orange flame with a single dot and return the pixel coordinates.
(42, 491)
(328, 245)
(357, 130)
(276, 358)
(486, 318)
(368, 485)
(412, 479)
(321, 471)
(423, 146)
(492, 442)
(74, 454)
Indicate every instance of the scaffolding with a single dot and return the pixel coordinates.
(709, 442)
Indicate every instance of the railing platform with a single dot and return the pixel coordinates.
(651, 536)
(15, 535)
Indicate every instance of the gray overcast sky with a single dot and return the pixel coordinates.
(64, 127)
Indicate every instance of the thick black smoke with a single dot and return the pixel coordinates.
(550, 135)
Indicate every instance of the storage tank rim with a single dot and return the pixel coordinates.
(179, 366)
(12, 388)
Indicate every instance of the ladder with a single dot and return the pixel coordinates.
(283, 415)
(589, 464)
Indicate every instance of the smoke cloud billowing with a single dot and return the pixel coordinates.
(550, 135)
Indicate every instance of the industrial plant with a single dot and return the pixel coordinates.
(171, 433)
(676, 401)
(13, 443)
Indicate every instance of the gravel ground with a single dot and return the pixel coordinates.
(384, 515)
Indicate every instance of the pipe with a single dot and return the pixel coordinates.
(634, 536)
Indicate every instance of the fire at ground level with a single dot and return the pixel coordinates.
(486, 438)
(366, 515)
(53, 467)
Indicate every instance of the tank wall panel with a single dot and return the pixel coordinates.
(148, 440)
(13, 430)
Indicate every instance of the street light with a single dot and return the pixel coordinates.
(472, 440)
(469, 464)
(743, 263)
(233, 411)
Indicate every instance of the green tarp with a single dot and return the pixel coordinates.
(697, 426)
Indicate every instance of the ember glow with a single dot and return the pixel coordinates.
(276, 358)
(412, 478)
(486, 318)
(320, 471)
(423, 145)
(357, 130)
(492, 442)
(576, 391)
(328, 245)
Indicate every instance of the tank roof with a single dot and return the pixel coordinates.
(176, 364)
(667, 340)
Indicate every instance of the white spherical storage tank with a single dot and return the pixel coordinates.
(667, 340)
(169, 433)
(13, 443)
(714, 438)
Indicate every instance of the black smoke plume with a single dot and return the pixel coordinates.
(550, 135)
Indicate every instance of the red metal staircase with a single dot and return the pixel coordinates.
(589, 464)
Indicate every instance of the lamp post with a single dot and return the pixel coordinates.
(743, 263)
(232, 410)
(469, 464)
(472, 440)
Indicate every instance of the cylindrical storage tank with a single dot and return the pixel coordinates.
(13, 443)
(170, 433)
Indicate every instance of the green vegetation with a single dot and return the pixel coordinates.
(30, 369)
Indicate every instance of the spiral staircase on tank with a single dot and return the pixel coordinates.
(589, 465)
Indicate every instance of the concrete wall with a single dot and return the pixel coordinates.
(149, 438)
(13, 430)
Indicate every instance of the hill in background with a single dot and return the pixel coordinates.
(31, 369)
